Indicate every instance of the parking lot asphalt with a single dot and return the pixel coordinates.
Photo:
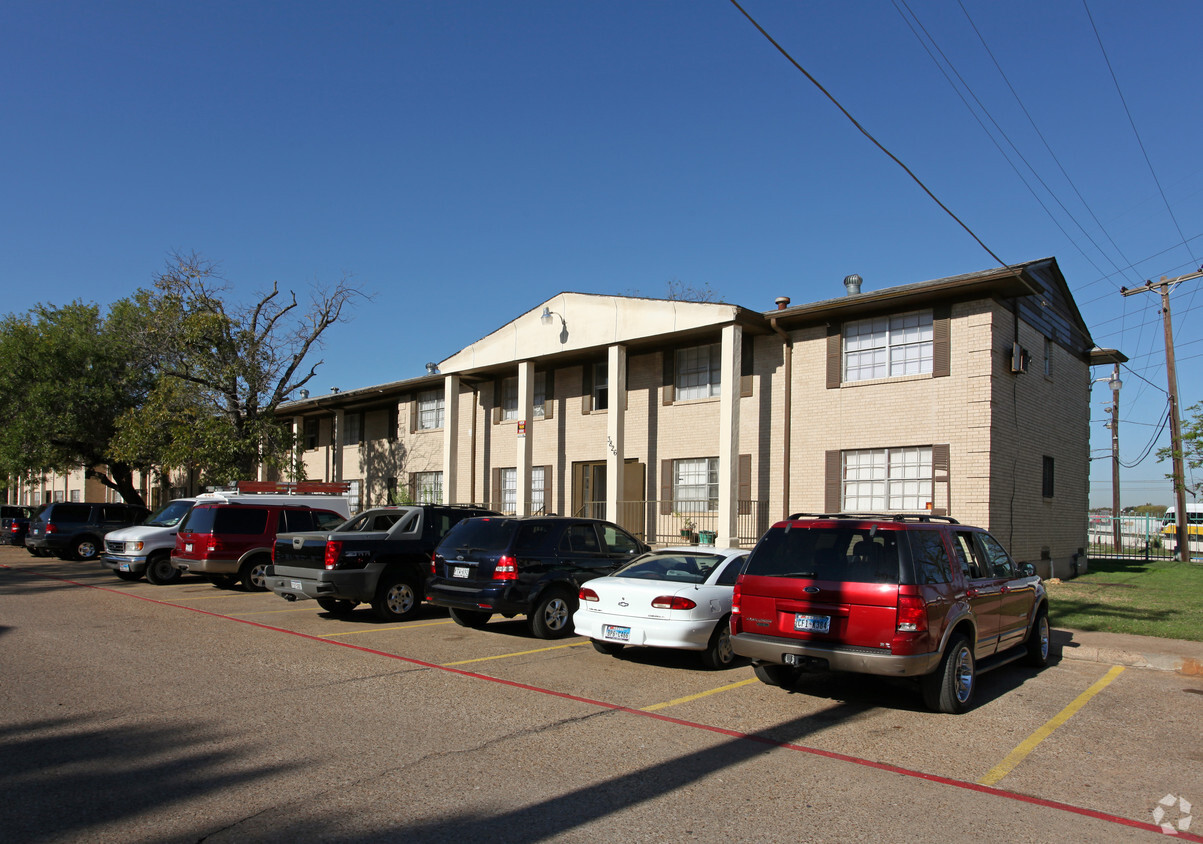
(140, 713)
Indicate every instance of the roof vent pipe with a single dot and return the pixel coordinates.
(304, 394)
(782, 302)
(852, 284)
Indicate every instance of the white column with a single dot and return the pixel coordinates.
(616, 386)
(450, 439)
(336, 445)
(728, 438)
(298, 448)
(523, 431)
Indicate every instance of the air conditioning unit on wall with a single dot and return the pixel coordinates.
(1019, 358)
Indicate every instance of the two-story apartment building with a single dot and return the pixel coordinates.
(965, 396)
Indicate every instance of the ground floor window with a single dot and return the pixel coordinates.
(881, 479)
(428, 487)
(508, 479)
(695, 485)
(537, 499)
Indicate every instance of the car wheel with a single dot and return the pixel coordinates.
(397, 599)
(784, 676)
(470, 618)
(950, 687)
(610, 648)
(128, 575)
(253, 574)
(85, 548)
(37, 552)
(160, 571)
(222, 581)
(1037, 643)
(337, 606)
(552, 616)
(719, 653)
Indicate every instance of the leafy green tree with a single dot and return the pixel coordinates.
(1192, 445)
(222, 369)
(67, 376)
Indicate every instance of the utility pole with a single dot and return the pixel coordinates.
(1116, 533)
(1181, 519)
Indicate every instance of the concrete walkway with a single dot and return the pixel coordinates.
(1136, 651)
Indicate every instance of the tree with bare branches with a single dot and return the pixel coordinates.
(222, 368)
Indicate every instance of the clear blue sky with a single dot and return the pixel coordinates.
(464, 161)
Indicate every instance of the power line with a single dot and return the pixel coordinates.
(867, 134)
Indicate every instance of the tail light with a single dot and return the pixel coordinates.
(50, 528)
(506, 569)
(334, 550)
(587, 594)
(673, 602)
(434, 564)
(912, 612)
(736, 618)
(274, 553)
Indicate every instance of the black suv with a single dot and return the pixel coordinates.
(382, 557)
(14, 523)
(531, 566)
(896, 595)
(75, 530)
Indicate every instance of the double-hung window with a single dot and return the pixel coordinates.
(697, 372)
(509, 490)
(880, 479)
(430, 410)
(428, 487)
(887, 347)
(695, 485)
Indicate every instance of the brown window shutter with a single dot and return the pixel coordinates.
(547, 499)
(497, 394)
(940, 472)
(670, 376)
(746, 362)
(941, 345)
(744, 500)
(413, 413)
(549, 393)
(586, 388)
(833, 483)
(494, 495)
(835, 357)
(666, 487)
(411, 486)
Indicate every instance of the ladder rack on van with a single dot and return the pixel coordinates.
(292, 487)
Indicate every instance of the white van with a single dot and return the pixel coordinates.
(145, 549)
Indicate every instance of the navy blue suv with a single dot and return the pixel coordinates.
(531, 566)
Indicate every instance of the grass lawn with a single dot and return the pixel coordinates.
(1155, 598)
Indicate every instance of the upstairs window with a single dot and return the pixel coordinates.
(888, 347)
(697, 372)
(430, 410)
(883, 479)
(509, 398)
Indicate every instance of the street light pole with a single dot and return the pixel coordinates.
(1180, 522)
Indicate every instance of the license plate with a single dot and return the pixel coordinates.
(616, 634)
(188, 546)
(812, 623)
(459, 571)
(295, 584)
(124, 566)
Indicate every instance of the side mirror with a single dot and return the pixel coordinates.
(1027, 570)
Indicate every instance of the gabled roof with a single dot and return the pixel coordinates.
(580, 323)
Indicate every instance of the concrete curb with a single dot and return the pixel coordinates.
(1132, 651)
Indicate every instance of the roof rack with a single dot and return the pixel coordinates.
(290, 487)
(887, 517)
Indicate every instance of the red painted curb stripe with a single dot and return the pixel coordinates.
(813, 751)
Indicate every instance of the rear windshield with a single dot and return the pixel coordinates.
(675, 566)
(861, 555)
(479, 536)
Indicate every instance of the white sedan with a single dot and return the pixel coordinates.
(668, 598)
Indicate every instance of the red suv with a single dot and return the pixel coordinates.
(231, 542)
(897, 595)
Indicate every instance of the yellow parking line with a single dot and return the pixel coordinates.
(519, 653)
(1029, 744)
(382, 629)
(656, 706)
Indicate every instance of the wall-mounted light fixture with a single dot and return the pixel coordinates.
(545, 318)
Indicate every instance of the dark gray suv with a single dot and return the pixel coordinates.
(75, 530)
(532, 566)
